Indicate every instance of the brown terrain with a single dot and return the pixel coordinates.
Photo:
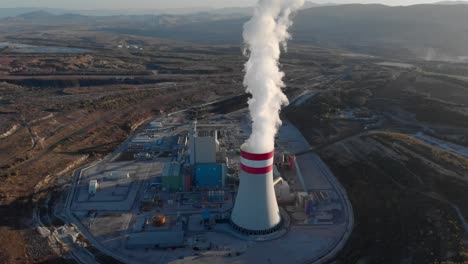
(405, 192)
(62, 109)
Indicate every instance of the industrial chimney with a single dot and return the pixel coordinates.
(256, 210)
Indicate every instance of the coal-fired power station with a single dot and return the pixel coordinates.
(256, 210)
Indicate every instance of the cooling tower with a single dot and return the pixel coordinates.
(256, 210)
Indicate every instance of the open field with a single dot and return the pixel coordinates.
(403, 199)
(409, 197)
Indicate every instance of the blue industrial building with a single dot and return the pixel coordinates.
(210, 175)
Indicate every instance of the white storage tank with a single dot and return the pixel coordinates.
(93, 186)
(117, 175)
(282, 190)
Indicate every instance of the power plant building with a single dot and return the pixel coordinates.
(210, 175)
(207, 173)
(206, 147)
(171, 176)
(203, 144)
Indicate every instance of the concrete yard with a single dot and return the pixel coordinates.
(113, 195)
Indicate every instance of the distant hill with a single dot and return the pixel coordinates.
(249, 10)
(443, 28)
(429, 31)
(12, 12)
(452, 3)
(39, 14)
(309, 4)
(372, 28)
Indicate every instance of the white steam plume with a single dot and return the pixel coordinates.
(264, 34)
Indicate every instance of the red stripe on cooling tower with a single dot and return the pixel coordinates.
(252, 156)
(252, 170)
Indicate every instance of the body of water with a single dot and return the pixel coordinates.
(26, 48)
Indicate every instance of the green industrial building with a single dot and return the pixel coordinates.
(171, 177)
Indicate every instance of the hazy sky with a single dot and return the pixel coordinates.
(161, 4)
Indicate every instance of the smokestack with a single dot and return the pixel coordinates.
(256, 210)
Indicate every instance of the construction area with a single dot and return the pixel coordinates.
(168, 192)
